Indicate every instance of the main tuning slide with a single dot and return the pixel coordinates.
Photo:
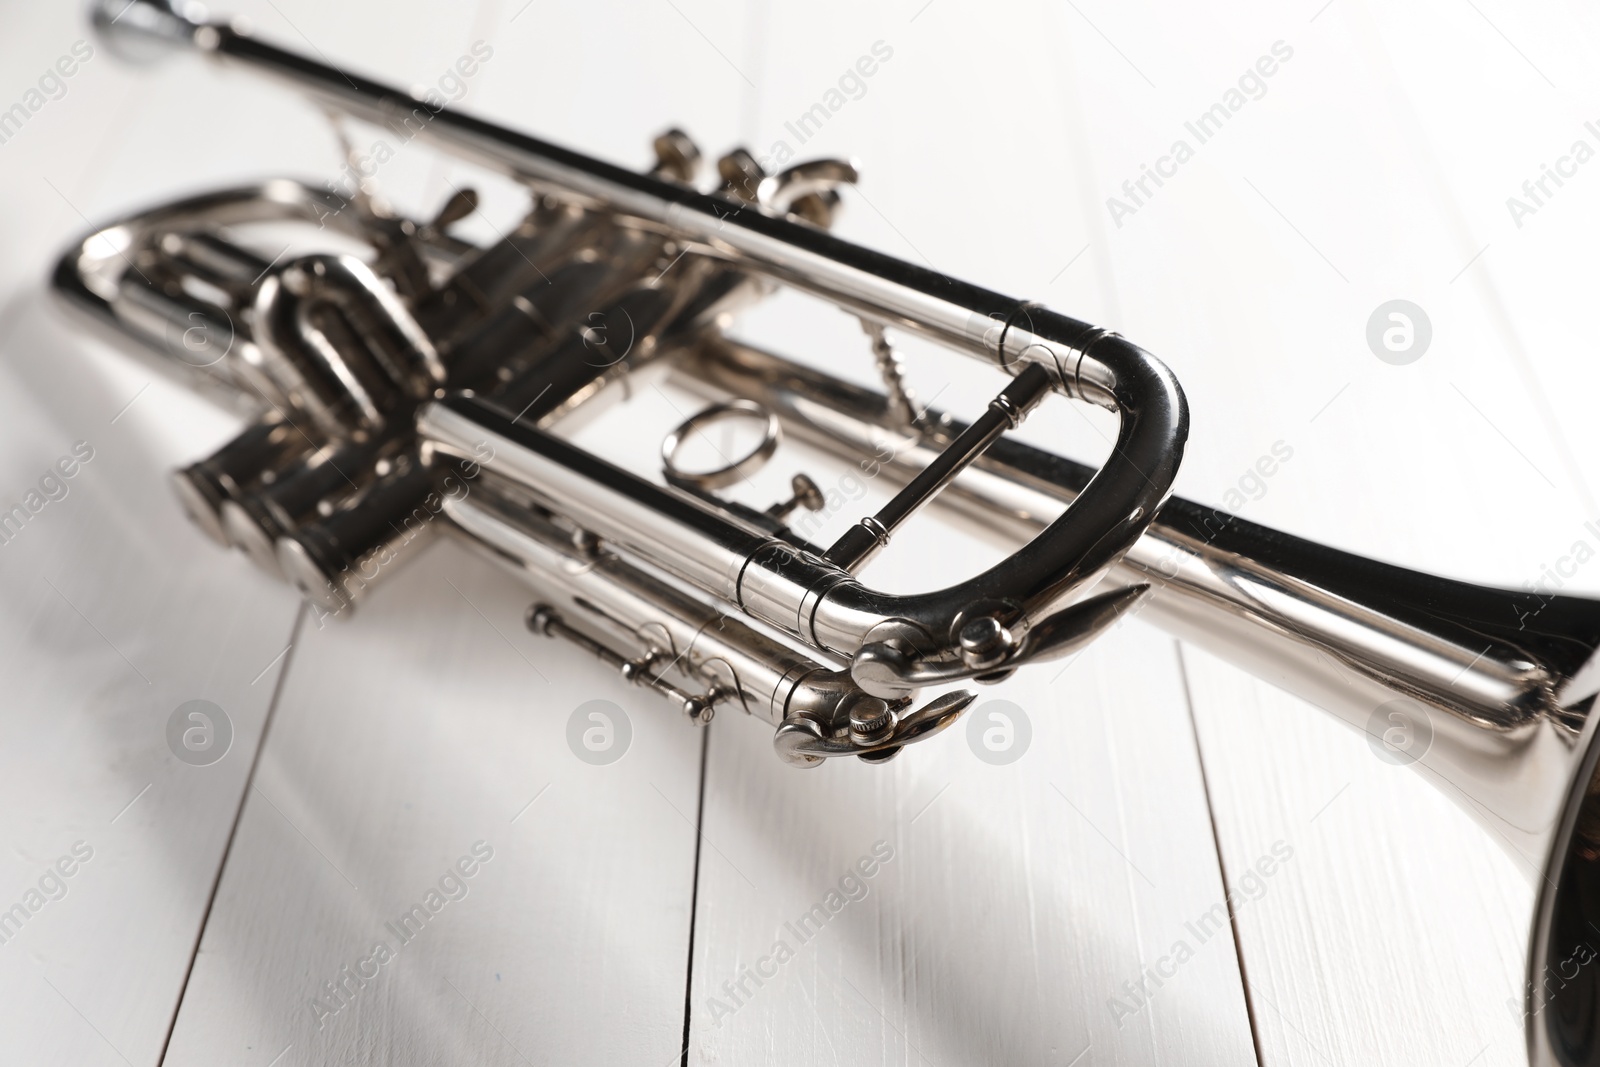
(428, 385)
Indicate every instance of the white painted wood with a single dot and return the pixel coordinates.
(117, 613)
(429, 722)
(1018, 901)
(1396, 935)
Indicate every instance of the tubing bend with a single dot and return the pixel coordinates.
(1104, 519)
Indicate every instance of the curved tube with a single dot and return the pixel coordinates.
(386, 358)
(96, 276)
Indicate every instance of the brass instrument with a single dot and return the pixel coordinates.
(422, 387)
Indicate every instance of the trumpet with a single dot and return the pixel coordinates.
(422, 388)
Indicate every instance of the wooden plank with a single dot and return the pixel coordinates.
(1396, 934)
(427, 727)
(118, 613)
(1020, 904)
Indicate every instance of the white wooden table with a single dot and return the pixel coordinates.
(623, 913)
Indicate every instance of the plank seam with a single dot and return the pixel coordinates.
(233, 831)
(694, 894)
(1216, 842)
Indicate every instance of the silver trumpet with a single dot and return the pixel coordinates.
(419, 388)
